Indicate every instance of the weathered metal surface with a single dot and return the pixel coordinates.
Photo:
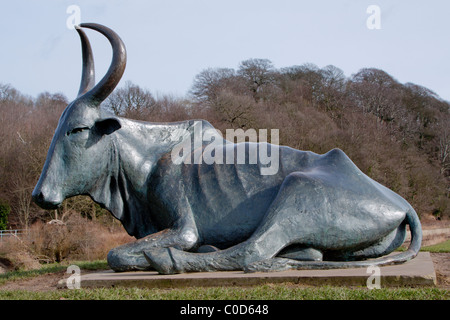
(190, 214)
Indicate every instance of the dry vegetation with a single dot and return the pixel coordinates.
(76, 239)
(396, 133)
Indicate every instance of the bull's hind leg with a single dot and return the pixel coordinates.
(287, 221)
(334, 259)
(380, 248)
(301, 253)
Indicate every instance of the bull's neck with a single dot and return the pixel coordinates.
(142, 144)
(134, 152)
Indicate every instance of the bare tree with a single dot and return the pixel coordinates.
(331, 93)
(209, 82)
(235, 110)
(376, 92)
(11, 95)
(131, 101)
(258, 73)
(444, 149)
(311, 76)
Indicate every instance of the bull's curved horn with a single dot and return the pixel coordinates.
(112, 77)
(88, 72)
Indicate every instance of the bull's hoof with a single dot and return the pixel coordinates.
(161, 260)
(120, 260)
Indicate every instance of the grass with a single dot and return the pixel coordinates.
(440, 247)
(51, 268)
(262, 292)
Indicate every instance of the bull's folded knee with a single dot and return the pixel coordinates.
(189, 239)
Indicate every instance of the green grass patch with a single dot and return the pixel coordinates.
(25, 274)
(436, 248)
(439, 248)
(262, 292)
(51, 268)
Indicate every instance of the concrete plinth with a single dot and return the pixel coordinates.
(417, 272)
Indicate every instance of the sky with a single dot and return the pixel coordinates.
(170, 41)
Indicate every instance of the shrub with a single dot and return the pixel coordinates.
(16, 254)
(77, 239)
(5, 209)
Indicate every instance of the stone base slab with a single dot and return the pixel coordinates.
(416, 272)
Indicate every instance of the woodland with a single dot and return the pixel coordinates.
(396, 133)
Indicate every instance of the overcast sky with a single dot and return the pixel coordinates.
(170, 41)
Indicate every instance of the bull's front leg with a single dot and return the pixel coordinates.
(130, 257)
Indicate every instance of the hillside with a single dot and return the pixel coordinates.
(396, 133)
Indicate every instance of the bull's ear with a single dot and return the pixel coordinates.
(107, 126)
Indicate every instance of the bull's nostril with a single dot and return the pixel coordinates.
(37, 197)
(45, 202)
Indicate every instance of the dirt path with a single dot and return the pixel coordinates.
(45, 282)
(441, 263)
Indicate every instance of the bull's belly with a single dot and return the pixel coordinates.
(354, 229)
(229, 201)
(231, 222)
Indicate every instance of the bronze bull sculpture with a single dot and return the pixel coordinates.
(314, 211)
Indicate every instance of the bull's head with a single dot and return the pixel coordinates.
(74, 160)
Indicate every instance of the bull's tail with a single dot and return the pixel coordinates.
(277, 264)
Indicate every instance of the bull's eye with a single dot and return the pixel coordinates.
(77, 130)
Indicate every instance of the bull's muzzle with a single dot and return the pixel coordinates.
(45, 201)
